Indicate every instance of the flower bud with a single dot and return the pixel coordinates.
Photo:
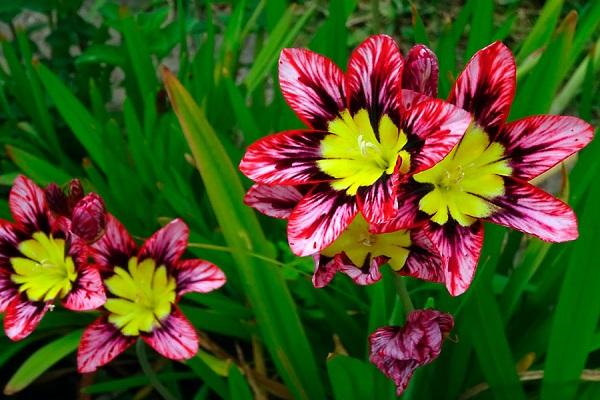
(88, 220)
(56, 199)
(75, 192)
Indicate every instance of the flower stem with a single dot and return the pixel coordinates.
(140, 348)
(403, 293)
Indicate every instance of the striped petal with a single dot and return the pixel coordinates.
(407, 214)
(377, 202)
(421, 71)
(362, 274)
(115, 247)
(275, 201)
(536, 144)
(100, 343)
(486, 87)
(312, 85)
(198, 276)
(28, 206)
(433, 128)
(9, 241)
(424, 261)
(460, 248)
(22, 317)
(373, 80)
(529, 209)
(410, 98)
(319, 218)
(286, 158)
(176, 338)
(167, 244)
(8, 289)
(325, 270)
(87, 292)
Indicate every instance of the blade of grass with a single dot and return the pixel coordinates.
(482, 24)
(542, 30)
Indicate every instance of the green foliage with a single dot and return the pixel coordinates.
(101, 114)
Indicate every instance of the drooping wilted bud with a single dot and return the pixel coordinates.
(75, 192)
(88, 220)
(56, 199)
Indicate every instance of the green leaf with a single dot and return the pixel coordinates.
(277, 318)
(542, 30)
(348, 377)
(482, 24)
(36, 168)
(41, 360)
(238, 387)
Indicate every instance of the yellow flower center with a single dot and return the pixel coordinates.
(142, 296)
(44, 273)
(359, 244)
(465, 180)
(355, 156)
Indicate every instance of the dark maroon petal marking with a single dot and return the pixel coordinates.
(486, 87)
(286, 158)
(198, 276)
(176, 338)
(275, 201)
(373, 80)
(23, 316)
(115, 247)
(312, 85)
(100, 343)
(398, 351)
(424, 261)
(407, 213)
(57, 200)
(167, 244)
(319, 219)
(28, 206)
(87, 292)
(377, 202)
(529, 209)
(421, 71)
(325, 270)
(8, 289)
(536, 144)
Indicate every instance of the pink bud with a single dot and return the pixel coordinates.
(88, 220)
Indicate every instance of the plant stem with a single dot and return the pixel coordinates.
(403, 293)
(140, 348)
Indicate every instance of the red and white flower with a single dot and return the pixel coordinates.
(398, 350)
(143, 287)
(485, 177)
(359, 140)
(41, 262)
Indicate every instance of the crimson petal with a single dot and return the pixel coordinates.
(100, 343)
(407, 214)
(486, 87)
(319, 219)
(536, 144)
(460, 248)
(410, 98)
(274, 201)
(312, 85)
(362, 274)
(198, 276)
(87, 292)
(424, 261)
(8, 289)
(9, 241)
(175, 338)
(167, 244)
(529, 209)
(325, 270)
(23, 316)
(27, 203)
(377, 202)
(285, 158)
(433, 128)
(115, 247)
(421, 71)
(373, 80)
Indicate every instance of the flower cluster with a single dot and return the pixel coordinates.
(387, 173)
(67, 247)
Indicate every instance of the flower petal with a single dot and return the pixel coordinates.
(421, 71)
(373, 80)
(28, 205)
(9, 241)
(87, 292)
(312, 85)
(486, 87)
(100, 343)
(377, 202)
(433, 128)
(410, 98)
(167, 244)
(198, 276)
(176, 338)
(407, 214)
(286, 158)
(22, 317)
(529, 209)
(8, 290)
(275, 201)
(536, 144)
(460, 248)
(362, 274)
(115, 247)
(325, 270)
(424, 261)
(319, 218)
(88, 220)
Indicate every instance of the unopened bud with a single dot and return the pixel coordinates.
(56, 199)
(74, 193)
(88, 220)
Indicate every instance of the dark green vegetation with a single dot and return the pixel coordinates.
(96, 109)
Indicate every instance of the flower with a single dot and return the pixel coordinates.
(357, 252)
(143, 287)
(358, 143)
(485, 177)
(40, 262)
(398, 350)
